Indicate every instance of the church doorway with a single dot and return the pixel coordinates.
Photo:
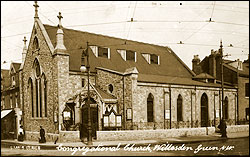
(93, 118)
(204, 110)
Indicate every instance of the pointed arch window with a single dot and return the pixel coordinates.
(44, 94)
(179, 108)
(40, 99)
(31, 96)
(35, 43)
(150, 108)
(226, 107)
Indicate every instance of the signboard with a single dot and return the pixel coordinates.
(167, 114)
(217, 113)
(106, 121)
(129, 113)
(112, 119)
(66, 115)
(119, 121)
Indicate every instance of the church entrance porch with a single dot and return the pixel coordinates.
(93, 119)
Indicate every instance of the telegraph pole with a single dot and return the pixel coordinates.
(223, 126)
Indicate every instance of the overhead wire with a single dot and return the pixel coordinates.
(131, 22)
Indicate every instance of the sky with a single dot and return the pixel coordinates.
(165, 23)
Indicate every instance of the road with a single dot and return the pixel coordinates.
(238, 146)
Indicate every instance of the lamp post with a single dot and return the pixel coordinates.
(84, 68)
(223, 125)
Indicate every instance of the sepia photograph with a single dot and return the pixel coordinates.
(124, 78)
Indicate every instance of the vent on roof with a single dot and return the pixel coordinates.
(151, 58)
(127, 55)
(101, 51)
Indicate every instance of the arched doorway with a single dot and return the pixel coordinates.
(93, 118)
(204, 110)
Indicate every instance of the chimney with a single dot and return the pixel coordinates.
(212, 64)
(24, 50)
(59, 36)
(195, 64)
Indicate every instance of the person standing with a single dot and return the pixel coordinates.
(42, 135)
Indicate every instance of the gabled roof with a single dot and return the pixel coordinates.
(170, 64)
(16, 66)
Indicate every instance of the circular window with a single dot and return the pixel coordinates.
(111, 88)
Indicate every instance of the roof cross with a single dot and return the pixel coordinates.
(60, 17)
(36, 9)
(24, 40)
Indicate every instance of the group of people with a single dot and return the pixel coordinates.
(42, 138)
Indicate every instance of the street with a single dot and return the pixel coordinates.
(238, 146)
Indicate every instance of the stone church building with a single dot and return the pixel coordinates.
(133, 86)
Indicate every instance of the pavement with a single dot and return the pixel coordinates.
(174, 140)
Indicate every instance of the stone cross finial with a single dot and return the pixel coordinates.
(36, 9)
(60, 17)
(24, 40)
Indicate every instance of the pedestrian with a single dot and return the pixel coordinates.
(42, 135)
(223, 128)
(21, 134)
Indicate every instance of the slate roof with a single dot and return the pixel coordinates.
(16, 66)
(104, 94)
(170, 64)
(175, 80)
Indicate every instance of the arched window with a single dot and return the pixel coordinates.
(45, 94)
(150, 108)
(35, 43)
(226, 107)
(37, 68)
(179, 108)
(40, 91)
(31, 96)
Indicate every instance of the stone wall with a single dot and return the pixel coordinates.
(34, 136)
(122, 88)
(44, 56)
(243, 100)
(238, 128)
(161, 95)
(69, 136)
(152, 134)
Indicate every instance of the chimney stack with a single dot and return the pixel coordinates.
(195, 64)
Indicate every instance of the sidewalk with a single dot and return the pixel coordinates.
(188, 139)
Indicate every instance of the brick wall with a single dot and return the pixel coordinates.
(243, 100)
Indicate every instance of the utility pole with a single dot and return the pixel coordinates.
(223, 125)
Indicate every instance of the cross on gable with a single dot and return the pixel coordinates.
(60, 17)
(24, 39)
(36, 8)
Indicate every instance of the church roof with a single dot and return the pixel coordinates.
(175, 80)
(170, 63)
(16, 66)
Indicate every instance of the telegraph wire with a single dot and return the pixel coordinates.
(212, 11)
(196, 31)
(132, 19)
